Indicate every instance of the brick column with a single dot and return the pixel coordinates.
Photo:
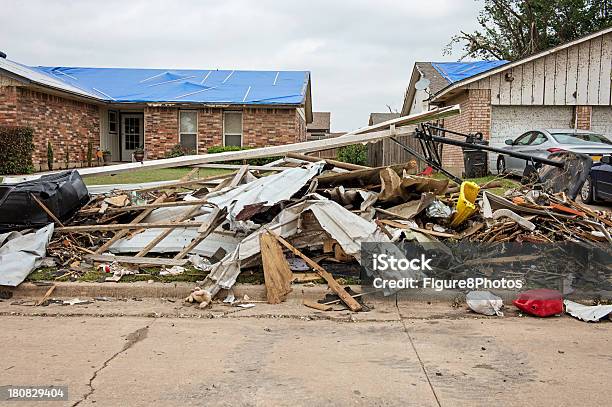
(582, 117)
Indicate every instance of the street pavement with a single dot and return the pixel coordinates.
(158, 352)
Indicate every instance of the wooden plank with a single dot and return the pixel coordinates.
(539, 79)
(335, 163)
(594, 71)
(584, 55)
(215, 219)
(237, 167)
(238, 177)
(425, 231)
(47, 210)
(362, 177)
(605, 73)
(495, 83)
(44, 298)
(527, 84)
(550, 71)
(571, 87)
(560, 78)
(516, 86)
(127, 227)
(136, 260)
(174, 204)
(505, 88)
(404, 124)
(182, 184)
(316, 305)
(333, 284)
(123, 233)
(277, 274)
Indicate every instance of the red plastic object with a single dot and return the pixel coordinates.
(542, 302)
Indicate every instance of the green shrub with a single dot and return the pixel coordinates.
(354, 154)
(178, 151)
(49, 156)
(16, 148)
(252, 161)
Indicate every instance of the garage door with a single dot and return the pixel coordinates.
(509, 122)
(601, 120)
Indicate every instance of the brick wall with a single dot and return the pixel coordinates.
(160, 130)
(475, 117)
(260, 127)
(8, 106)
(582, 117)
(67, 124)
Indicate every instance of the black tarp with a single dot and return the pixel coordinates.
(63, 194)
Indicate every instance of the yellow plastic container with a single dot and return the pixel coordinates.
(466, 204)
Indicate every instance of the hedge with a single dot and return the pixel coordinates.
(354, 154)
(252, 161)
(16, 148)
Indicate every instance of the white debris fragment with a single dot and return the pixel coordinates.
(484, 302)
(591, 313)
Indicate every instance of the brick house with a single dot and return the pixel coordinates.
(564, 87)
(121, 110)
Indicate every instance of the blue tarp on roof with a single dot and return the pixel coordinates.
(457, 71)
(186, 85)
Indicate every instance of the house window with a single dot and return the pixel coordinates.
(113, 122)
(232, 129)
(188, 130)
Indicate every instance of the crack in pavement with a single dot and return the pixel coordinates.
(399, 314)
(132, 338)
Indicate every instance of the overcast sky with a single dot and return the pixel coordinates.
(360, 53)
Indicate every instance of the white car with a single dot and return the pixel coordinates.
(543, 142)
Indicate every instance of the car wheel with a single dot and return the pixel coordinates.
(530, 175)
(586, 193)
(501, 165)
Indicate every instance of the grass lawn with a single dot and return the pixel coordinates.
(161, 174)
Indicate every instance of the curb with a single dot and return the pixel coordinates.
(256, 292)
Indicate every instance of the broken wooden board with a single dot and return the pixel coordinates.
(364, 135)
(331, 282)
(335, 163)
(317, 306)
(277, 275)
(155, 261)
(361, 178)
(127, 226)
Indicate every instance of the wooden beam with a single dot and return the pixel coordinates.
(123, 233)
(364, 135)
(335, 163)
(238, 177)
(137, 260)
(425, 231)
(217, 217)
(174, 204)
(237, 167)
(331, 282)
(47, 210)
(128, 226)
(184, 216)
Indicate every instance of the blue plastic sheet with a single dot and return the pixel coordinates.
(458, 71)
(185, 85)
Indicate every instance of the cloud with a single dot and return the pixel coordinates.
(360, 53)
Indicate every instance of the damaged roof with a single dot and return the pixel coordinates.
(134, 85)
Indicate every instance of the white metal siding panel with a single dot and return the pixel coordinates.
(606, 70)
(594, 70)
(511, 121)
(539, 81)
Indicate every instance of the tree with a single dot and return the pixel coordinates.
(513, 29)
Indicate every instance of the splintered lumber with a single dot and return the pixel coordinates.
(47, 295)
(364, 177)
(154, 261)
(277, 274)
(119, 235)
(127, 226)
(425, 231)
(331, 282)
(197, 202)
(182, 184)
(335, 163)
(403, 126)
(216, 218)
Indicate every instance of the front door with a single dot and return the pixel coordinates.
(132, 135)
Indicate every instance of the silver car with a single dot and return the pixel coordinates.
(543, 142)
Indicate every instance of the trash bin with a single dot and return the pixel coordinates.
(475, 162)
